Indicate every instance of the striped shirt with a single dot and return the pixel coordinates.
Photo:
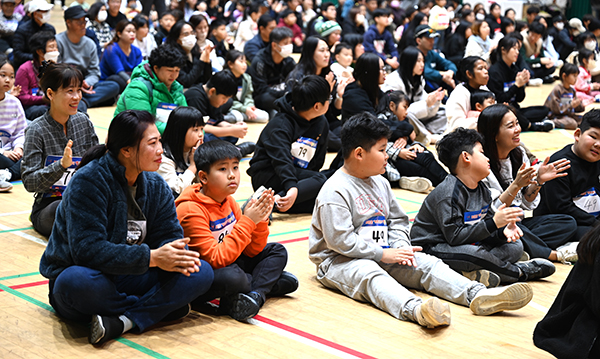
(12, 123)
(45, 137)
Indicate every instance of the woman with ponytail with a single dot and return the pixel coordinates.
(116, 256)
(54, 142)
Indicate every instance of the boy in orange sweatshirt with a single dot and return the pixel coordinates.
(246, 267)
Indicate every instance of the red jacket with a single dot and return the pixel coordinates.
(296, 30)
(27, 79)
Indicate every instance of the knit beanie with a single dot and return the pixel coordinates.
(326, 28)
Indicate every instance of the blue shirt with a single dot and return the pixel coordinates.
(114, 61)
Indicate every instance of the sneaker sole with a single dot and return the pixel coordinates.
(435, 313)
(415, 184)
(484, 276)
(514, 296)
(6, 189)
(97, 330)
(243, 308)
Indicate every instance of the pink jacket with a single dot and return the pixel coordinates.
(27, 79)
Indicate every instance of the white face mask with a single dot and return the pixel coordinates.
(480, 17)
(51, 56)
(590, 45)
(286, 50)
(188, 42)
(360, 19)
(45, 17)
(102, 16)
(560, 26)
(450, 15)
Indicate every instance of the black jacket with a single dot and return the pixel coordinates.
(350, 27)
(196, 97)
(398, 128)
(24, 32)
(253, 46)
(454, 48)
(193, 73)
(356, 100)
(502, 83)
(273, 149)
(268, 76)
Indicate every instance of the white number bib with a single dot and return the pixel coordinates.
(163, 110)
(588, 201)
(222, 227)
(474, 217)
(62, 183)
(4, 138)
(375, 230)
(303, 151)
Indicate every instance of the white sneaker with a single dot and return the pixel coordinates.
(432, 313)
(415, 184)
(5, 175)
(567, 253)
(536, 82)
(5, 186)
(493, 300)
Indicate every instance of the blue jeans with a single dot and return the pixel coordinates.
(105, 90)
(80, 292)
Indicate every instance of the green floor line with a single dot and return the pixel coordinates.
(408, 200)
(290, 232)
(16, 229)
(43, 305)
(20, 275)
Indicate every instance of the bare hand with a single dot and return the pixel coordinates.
(512, 232)
(285, 203)
(522, 78)
(403, 256)
(260, 209)
(400, 143)
(407, 154)
(16, 91)
(67, 159)
(576, 102)
(342, 83)
(330, 77)
(393, 62)
(250, 113)
(174, 257)
(85, 88)
(548, 172)
(192, 166)
(524, 176)
(239, 130)
(205, 55)
(434, 97)
(505, 215)
(14, 155)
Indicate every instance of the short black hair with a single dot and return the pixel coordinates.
(343, 45)
(479, 96)
(326, 5)
(39, 40)
(211, 152)
(594, 25)
(224, 82)
(381, 12)
(140, 21)
(452, 145)
(362, 130)
(568, 69)
(279, 34)
(264, 20)
(216, 23)
(308, 91)
(287, 12)
(166, 55)
(533, 10)
(537, 28)
(590, 119)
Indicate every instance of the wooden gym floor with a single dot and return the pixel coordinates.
(312, 322)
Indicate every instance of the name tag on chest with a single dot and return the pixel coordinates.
(136, 231)
(507, 85)
(474, 217)
(62, 183)
(566, 98)
(588, 201)
(163, 110)
(375, 230)
(303, 151)
(222, 227)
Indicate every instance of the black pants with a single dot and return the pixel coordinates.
(309, 184)
(424, 165)
(541, 234)
(543, 71)
(43, 214)
(246, 274)
(266, 102)
(13, 167)
(159, 6)
(527, 115)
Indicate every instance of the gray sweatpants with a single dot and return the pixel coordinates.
(385, 285)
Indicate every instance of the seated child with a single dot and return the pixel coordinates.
(246, 267)
(576, 194)
(218, 30)
(586, 89)
(563, 101)
(342, 67)
(479, 101)
(210, 99)
(455, 224)
(410, 162)
(360, 244)
(291, 148)
(288, 19)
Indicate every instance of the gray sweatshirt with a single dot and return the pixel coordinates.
(82, 54)
(455, 214)
(356, 218)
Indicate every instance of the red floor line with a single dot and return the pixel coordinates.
(293, 240)
(27, 285)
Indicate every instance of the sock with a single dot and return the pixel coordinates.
(127, 323)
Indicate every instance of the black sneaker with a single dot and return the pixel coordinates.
(242, 307)
(103, 329)
(287, 283)
(544, 126)
(548, 79)
(246, 148)
(178, 313)
(536, 268)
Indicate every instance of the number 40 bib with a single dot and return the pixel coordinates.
(375, 230)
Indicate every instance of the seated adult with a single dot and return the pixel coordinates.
(120, 57)
(354, 23)
(561, 38)
(9, 21)
(114, 15)
(454, 46)
(271, 67)
(473, 76)
(39, 11)
(438, 72)
(153, 86)
(266, 24)
(533, 52)
(197, 67)
(54, 142)
(143, 39)
(480, 43)
(97, 15)
(364, 93)
(77, 49)
(117, 256)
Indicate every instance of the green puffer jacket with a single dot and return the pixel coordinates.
(137, 97)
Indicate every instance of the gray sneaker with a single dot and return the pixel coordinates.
(567, 253)
(536, 269)
(483, 276)
(494, 300)
(415, 184)
(432, 313)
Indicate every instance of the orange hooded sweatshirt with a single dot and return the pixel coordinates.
(218, 231)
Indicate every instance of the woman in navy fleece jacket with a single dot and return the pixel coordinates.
(116, 254)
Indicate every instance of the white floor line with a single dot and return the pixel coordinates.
(565, 133)
(14, 213)
(301, 339)
(538, 307)
(24, 235)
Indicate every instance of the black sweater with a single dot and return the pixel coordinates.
(196, 97)
(268, 76)
(557, 195)
(356, 100)
(502, 84)
(272, 153)
(193, 72)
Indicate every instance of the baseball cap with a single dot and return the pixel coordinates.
(38, 5)
(575, 23)
(75, 12)
(423, 30)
